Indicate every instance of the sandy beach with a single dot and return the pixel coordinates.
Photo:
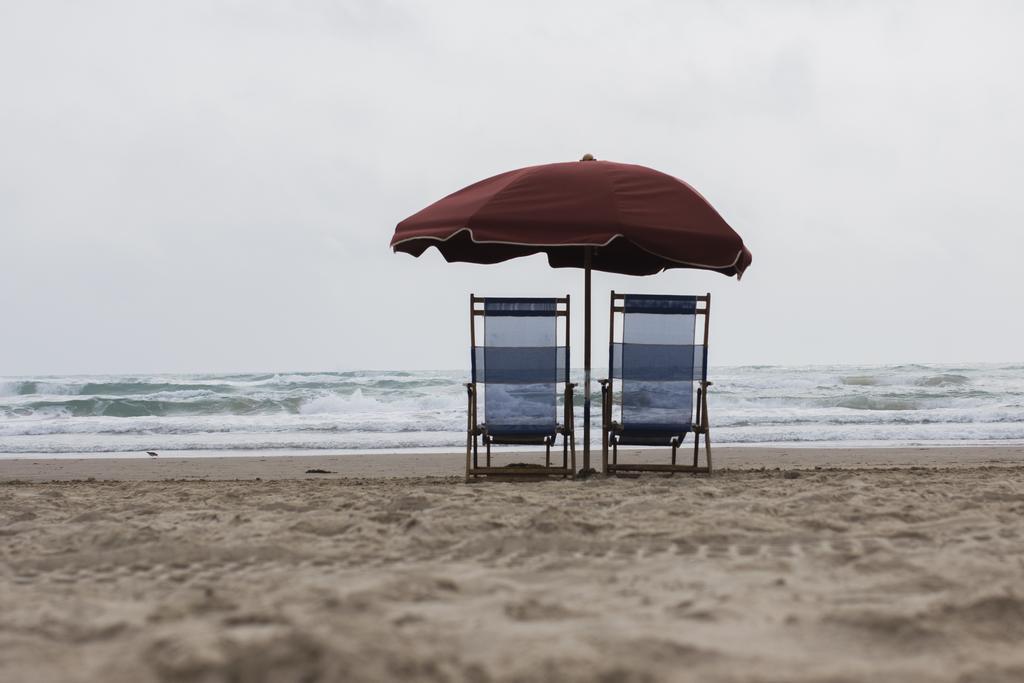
(883, 565)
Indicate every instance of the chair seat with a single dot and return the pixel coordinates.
(650, 434)
(520, 433)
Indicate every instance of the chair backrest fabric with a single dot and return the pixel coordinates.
(657, 362)
(520, 366)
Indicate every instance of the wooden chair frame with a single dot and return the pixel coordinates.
(476, 431)
(701, 423)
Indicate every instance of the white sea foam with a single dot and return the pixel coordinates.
(329, 404)
(389, 410)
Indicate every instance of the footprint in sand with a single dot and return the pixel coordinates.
(717, 551)
(694, 610)
(748, 550)
(535, 610)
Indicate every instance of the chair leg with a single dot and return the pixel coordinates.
(471, 432)
(547, 452)
(615, 452)
(572, 453)
(605, 414)
(696, 445)
(488, 442)
(565, 453)
(675, 446)
(707, 446)
(604, 452)
(706, 428)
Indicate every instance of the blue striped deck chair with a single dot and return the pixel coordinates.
(660, 366)
(516, 373)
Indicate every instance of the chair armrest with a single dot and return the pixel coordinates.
(606, 423)
(472, 428)
(702, 407)
(568, 408)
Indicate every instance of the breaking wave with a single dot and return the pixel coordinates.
(368, 410)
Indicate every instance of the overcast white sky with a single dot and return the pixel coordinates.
(207, 185)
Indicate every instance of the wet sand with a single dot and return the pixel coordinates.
(887, 565)
(167, 466)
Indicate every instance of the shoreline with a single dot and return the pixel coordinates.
(387, 465)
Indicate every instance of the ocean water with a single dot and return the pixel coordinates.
(383, 411)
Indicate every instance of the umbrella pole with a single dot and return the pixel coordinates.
(586, 362)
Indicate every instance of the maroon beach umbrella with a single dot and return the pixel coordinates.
(600, 215)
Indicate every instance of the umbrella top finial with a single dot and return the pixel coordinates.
(588, 157)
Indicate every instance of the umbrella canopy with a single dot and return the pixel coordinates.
(601, 215)
(639, 220)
